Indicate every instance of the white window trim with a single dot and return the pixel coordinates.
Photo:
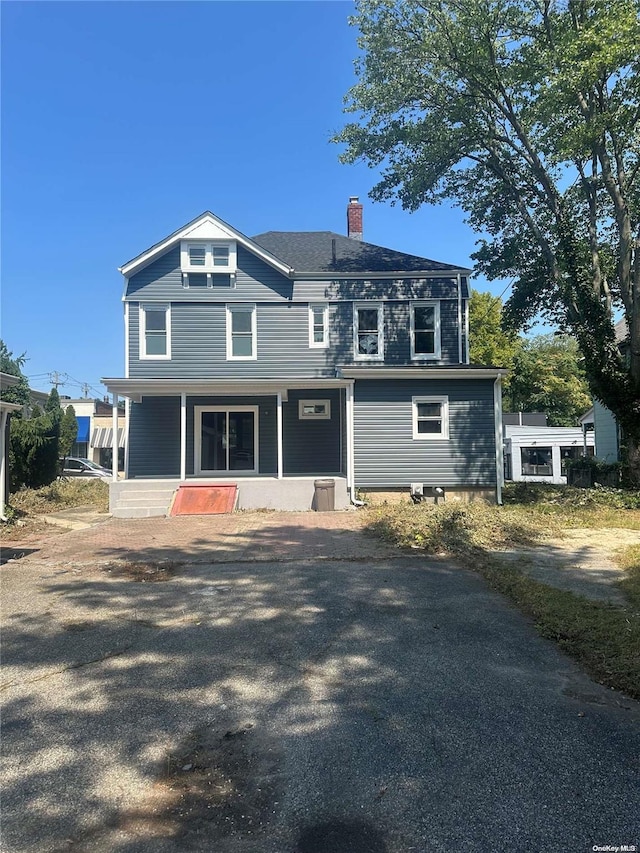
(421, 356)
(325, 325)
(240, 306)
(209, 267)
(197, 440)
(142, 330)
(325, 416)
(379, 356)
(422, 436)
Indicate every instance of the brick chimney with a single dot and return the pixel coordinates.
(354, 218)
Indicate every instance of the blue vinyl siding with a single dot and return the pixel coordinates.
(154, 437)
(386, 453)
(310, 446)
(162, 281)
(198, 341)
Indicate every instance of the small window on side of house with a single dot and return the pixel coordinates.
(425, 330)
(318, 326)
(430, 418)
(314, 410)
(368, 331)
(241, 333)
(155, 331)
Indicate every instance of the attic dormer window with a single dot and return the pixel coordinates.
(208, 256)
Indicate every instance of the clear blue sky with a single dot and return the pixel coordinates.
(122, 121)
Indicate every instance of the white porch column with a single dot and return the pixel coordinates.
(114, 440)
(279, 432)
(3, 462)
(350, 449)
(183, 436)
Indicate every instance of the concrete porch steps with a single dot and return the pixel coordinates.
(148, 498)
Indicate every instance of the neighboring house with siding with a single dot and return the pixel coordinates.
(270, 361)
(608, 438)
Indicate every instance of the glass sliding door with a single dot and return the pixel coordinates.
(226, 439)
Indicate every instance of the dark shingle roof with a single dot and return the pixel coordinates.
(313, 251)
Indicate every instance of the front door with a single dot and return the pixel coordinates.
(226, 440)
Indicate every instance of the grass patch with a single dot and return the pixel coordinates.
(629, 560)
(61, 494)
(603, 638)
(570, 507)
(27, 506)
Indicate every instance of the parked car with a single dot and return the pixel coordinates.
(75, 466)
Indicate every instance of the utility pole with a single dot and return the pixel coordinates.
(57, 378)
(85, 390)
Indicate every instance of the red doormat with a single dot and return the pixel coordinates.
(205, 500)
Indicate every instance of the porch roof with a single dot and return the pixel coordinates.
(135, 389)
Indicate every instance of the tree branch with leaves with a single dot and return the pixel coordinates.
(525, 114)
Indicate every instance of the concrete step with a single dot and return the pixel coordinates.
(163, 500)
(139, 512)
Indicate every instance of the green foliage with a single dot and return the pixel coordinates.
(68, 431)
(544, 496)
(547, 376)
(13, 365)
(33, 451)
(52, 405)
(525, 114)
(489, 343)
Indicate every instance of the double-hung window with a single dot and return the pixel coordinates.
(425, 330)
(430, 417)
(155, 331)
(319, 325)
(241, 333)
(368, 331)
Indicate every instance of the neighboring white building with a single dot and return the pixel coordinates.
(539, 454)
(95, 429)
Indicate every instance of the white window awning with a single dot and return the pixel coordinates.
(103, 437)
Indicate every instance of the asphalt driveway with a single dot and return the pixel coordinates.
(155, 701)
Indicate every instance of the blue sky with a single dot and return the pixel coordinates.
(122, 121)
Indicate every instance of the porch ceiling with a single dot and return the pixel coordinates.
(135, 389)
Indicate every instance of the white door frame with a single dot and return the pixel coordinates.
(198, 411)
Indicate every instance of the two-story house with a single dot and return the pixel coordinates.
(273, 360)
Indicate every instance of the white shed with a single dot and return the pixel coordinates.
(539, 454)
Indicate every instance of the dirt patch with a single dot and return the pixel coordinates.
(222, 783)
(143, 572)
(583, 562)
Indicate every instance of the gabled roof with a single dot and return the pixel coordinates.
(299, 253)
(328, 252)
(205, 226)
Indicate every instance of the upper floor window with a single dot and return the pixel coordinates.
(208, 256)
(368, 330)
(425, 330)
(430, 417)
(155, 331)
(241, 332)
(318, 325)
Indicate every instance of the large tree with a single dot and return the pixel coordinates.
(525, 113)
(548, 377)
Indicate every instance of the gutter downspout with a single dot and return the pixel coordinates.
(459, 320)
(497, 409)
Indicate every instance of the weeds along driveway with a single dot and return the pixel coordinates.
(382, 704)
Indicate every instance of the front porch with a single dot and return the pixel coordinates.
(153, 497)
(271, 439)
